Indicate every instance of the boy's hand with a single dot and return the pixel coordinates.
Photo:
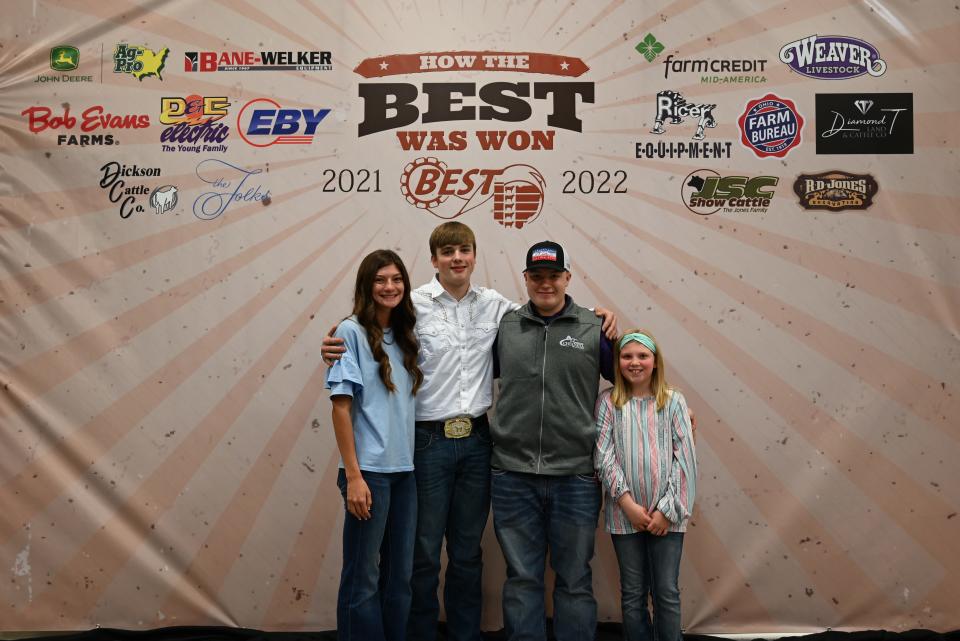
(609, 326)
(332, 348)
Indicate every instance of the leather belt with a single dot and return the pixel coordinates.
(456, 427)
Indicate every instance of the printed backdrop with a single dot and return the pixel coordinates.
(188, 188)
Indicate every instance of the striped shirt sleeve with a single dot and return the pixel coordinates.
(607, 460)
(676, 504)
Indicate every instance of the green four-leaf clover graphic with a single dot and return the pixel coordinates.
(649, 47)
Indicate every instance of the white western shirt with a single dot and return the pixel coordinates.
(456, 349)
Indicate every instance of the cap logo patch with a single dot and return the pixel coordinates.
(544, 253)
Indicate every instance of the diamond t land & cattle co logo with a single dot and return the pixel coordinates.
(191, 123)
(206, 61)
(138, 61)
(770, 126)
(516, 192)
(832, 57)
(864, 123)
(673, 109)
(64, 58)
(706, 192)
(93, 121)
(262, 123)
(835, 190)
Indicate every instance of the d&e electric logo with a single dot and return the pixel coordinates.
(262, 122)
(251, 61)
(191, 123)
(770, 126)
(706, 192)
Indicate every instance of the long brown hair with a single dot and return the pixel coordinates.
(658, 378)
(402, 317)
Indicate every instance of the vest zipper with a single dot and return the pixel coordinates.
(543, 394)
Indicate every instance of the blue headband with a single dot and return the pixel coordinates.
(643, 339)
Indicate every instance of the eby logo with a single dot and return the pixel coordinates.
(262, 122)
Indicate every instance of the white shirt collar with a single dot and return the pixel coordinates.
(434, 289)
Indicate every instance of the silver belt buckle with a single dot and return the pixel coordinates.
(458, 427)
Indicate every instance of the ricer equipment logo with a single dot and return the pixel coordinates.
(832, 57)
(706, 192)
(770, 126)
(672, 105)
(139, 61)
(864, 123)
(835, 190)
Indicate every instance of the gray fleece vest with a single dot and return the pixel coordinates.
(549, 377)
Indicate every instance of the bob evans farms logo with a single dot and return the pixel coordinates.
(516, 190)
(835, 190)
(832, 57)
(92, 121)
(770, 126)
(391, 105)
(191, 123)
(706, 192)
(570, 341)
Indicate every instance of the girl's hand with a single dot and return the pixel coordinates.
(637, 514)
(659, 525)
(359, 499)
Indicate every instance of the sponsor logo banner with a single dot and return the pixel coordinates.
(864, 123)
(517, 191)
(832, 57)
(770, 126)
(93, 122)
(191, 123)
(207, 61)
(138, 61)
(262, 123)
(835, 190)
(706, 192)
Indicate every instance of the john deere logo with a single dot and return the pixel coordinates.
(64, 58)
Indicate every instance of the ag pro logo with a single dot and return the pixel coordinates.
(262, 122)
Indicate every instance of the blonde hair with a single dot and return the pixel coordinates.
(658, 381)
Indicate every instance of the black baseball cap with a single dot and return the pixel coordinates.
(547, 254)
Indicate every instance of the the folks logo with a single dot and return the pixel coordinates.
(139, 61)
(92, 121)
(192, 123)
(832, 57)
(835, 190)
(706, 192)
(570, 341)
(64, 58)
(770, 126)
(262, 122)
(194, 61)
(516, 191)
(672, 105)
(874, 123)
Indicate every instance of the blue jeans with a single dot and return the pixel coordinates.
(649, 565)
(453, 495)
(374, 598)
(531, 513)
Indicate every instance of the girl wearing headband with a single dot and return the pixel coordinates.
(647, 461)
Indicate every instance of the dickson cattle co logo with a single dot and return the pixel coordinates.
(93, 122)
(672, 105)
(192, 123)
(835, 190)
(516, 190)
(706, 192)
(254, 61)
(832, 57)
(262, 122)
(864, 123)
(64, 58)
(770, 126)
(114, 181)
(139, 61)
(673, 109)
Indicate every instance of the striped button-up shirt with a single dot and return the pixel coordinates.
(649, 453)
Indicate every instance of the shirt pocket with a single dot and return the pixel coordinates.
(434, 340)
(482, 336)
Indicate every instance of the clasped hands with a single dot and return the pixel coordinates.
(655, 523)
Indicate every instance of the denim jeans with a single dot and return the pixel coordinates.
(374, 598)
(649, 565)
(532, 513)
(453, 495)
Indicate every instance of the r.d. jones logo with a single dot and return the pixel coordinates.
(706, 192)
(864, 123)
(835, 190)
(832, 57)
(770, 126)
(192, 123)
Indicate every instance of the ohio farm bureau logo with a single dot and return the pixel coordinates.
(770, 126)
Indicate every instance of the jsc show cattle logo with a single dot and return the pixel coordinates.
(864, 123)
(832, 57)
(770, 126)
(262, 122)
(192, 123)
(514, 193)
(835, 190)
(706, 192)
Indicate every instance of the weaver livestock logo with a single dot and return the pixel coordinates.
(64, 58)
(139, 61)
(206, 61)
(262, 123)
(832, 57)
(770, 126)
(191, 123)
(865, 123)
(706, 192)
(94, 123)
(835, 190)
(516, 190)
